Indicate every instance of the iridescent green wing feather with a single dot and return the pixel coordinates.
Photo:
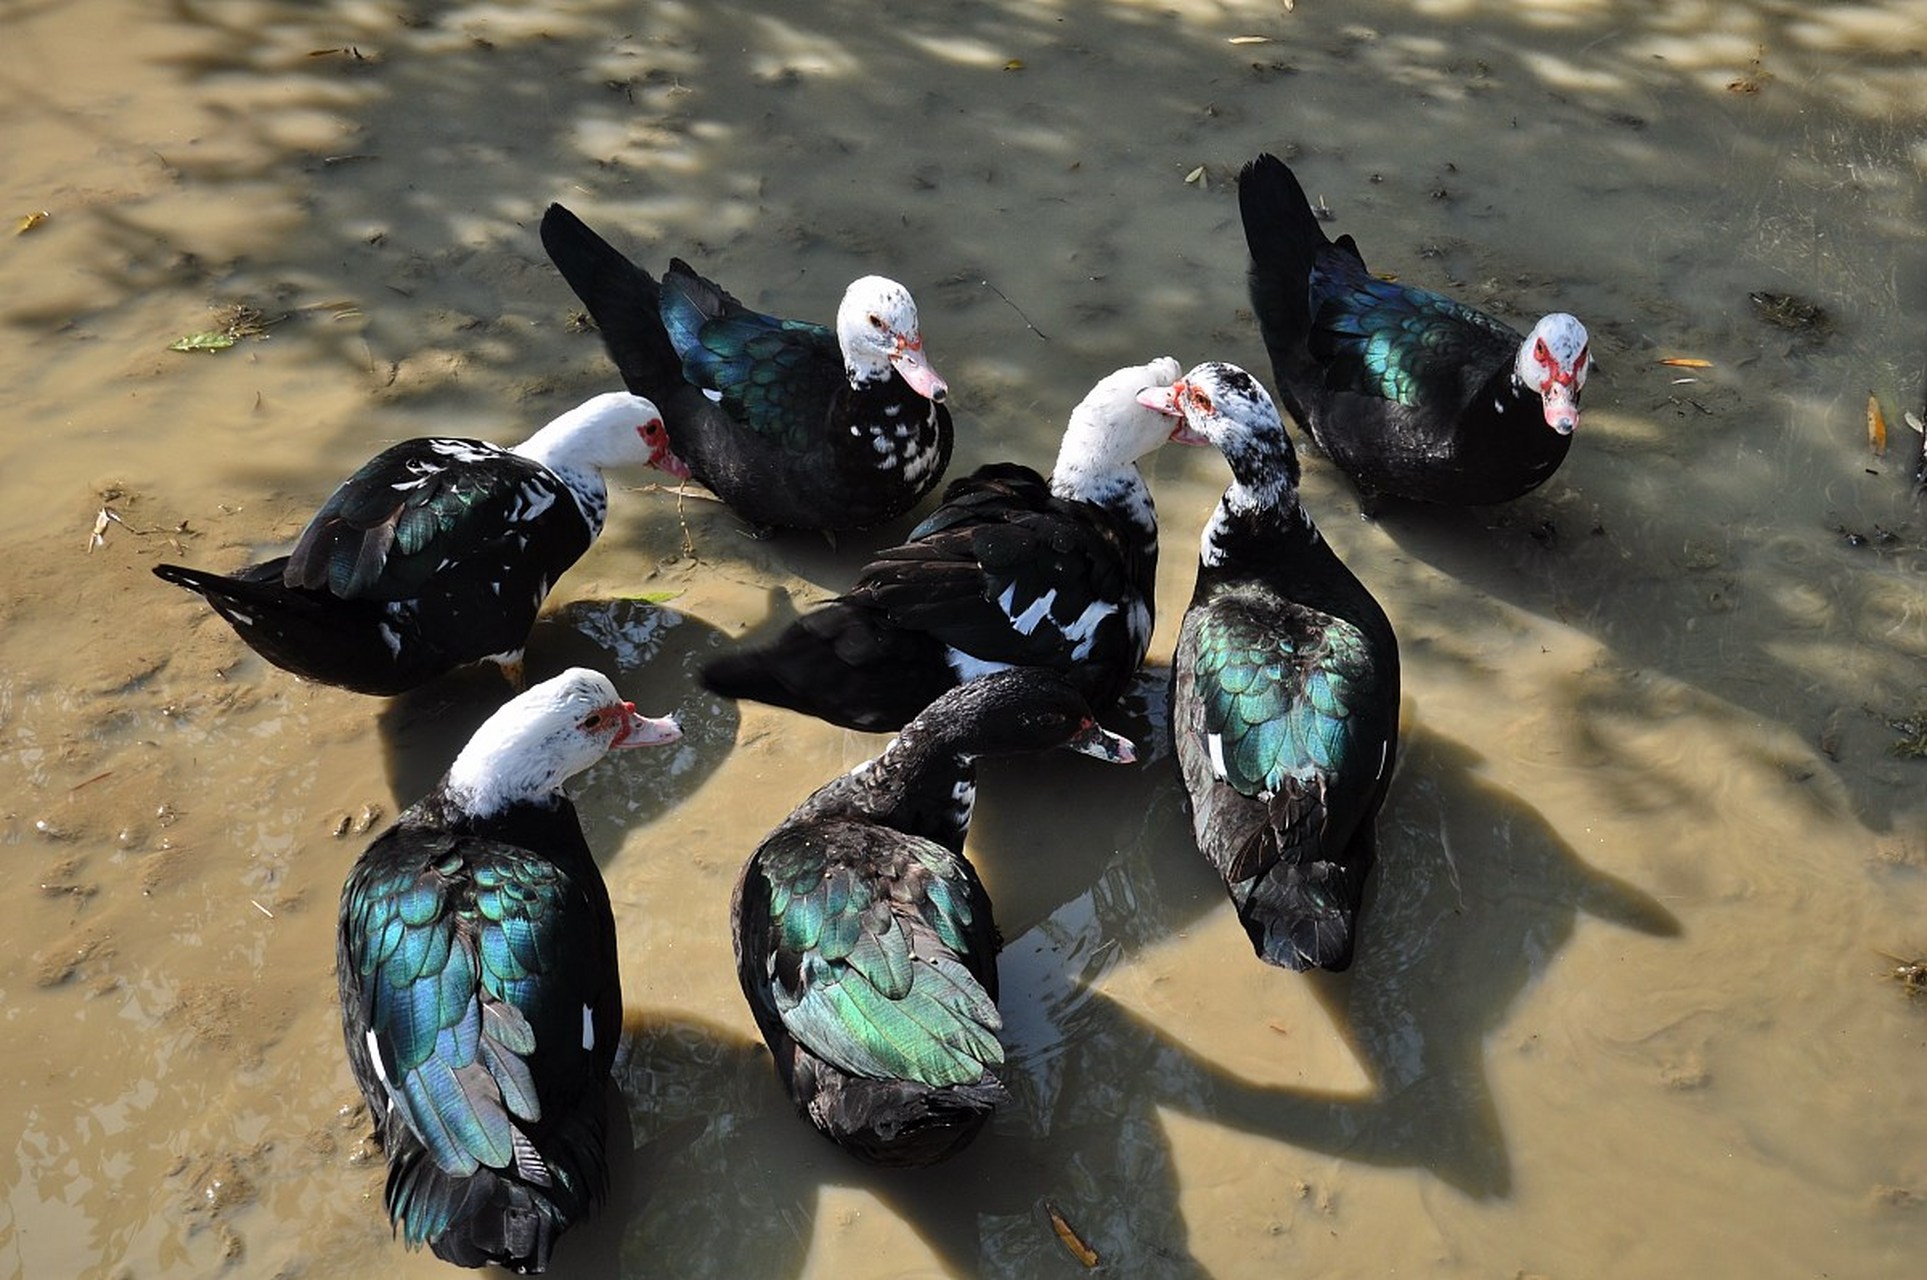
(456, 973)
(1279, 705)
(870, 959)
(392, 525)
(776, 377)
(1394, 342)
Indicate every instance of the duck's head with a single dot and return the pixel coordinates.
(613, 429)
(546, 735)
(877, 328)
(1113, 427)
(1554, 361)
(1227, 407)
(1020, 709)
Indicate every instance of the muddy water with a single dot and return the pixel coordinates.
(1624, 998)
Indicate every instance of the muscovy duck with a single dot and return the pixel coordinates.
(1410, 393)
(1011, 571)
(1284, 697)
(864, 939)
(480, 1001)
(790, 424)
(436, 553)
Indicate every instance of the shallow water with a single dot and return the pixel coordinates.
(1624, 995)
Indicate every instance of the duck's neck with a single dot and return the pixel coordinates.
(919, 785)
(864, 371)
(566, 454)
(1265, 511)
(492, 775)
(1118, 488)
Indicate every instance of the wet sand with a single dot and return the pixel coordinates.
(1625, 996)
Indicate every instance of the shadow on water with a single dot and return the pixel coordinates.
(1474, 898)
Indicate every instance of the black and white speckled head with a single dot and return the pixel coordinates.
(1109, 430)
(543, 737)
(876, 326)
(1232, 409)
(610, 430)
(1553, 361)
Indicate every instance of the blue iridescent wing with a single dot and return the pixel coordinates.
(461, 966)
(1395, 342)
(776, 377)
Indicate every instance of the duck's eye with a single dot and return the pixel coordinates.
(1584, 362)
(876, 321)
(1540, 353)
(592, 721)
(1201, 400)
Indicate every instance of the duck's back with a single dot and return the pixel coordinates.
(868, 959)
(1285, 715)
(481, 1006)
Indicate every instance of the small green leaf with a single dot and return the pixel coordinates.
(211, 340)
(655, 597)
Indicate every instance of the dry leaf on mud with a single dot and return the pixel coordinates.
(1085, 1255)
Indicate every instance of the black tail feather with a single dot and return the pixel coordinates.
(313, 634)
(623, 299)
(1305, 915)
(493, 1216)
(256, 582)
(898, 1124)
(1284, 237)
(475, 1220)
(842, 663)
(257, 604)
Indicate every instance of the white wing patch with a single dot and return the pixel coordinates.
(1139, 624)
(462, 450)
(964, 793)
(588, 1028)
(969, 668)
(1084, 630)
(374, 1056)
(1214, 743)
(1026, 622)
(533, 500)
